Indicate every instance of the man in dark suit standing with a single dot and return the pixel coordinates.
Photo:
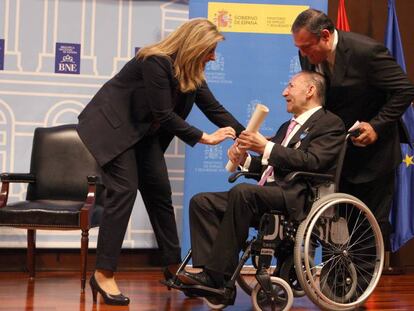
(311, 141)
(366, 84)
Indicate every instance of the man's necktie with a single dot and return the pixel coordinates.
(289, 130)
(269, 170)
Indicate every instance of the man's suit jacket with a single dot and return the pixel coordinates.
(368, 85)
(314, 148)
(143, 95)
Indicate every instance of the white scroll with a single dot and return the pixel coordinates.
(256, 120)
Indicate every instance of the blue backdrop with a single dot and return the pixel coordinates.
(250, 68)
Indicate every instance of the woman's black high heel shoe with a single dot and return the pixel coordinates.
(119, 300)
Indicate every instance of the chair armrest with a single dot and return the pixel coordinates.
(312, 177)
(233, 177)
(17, 177)
(7, 178)
(94, 182)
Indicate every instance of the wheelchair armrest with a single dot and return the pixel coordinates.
(312, 177)
(233, 177)
(17, 177)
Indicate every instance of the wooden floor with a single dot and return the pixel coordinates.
(61, 291)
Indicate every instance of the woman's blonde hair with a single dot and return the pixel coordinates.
(188, 46)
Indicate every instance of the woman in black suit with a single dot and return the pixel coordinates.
(129, 124)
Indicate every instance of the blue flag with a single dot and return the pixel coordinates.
(402, 212)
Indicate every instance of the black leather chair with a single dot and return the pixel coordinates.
(62, 194)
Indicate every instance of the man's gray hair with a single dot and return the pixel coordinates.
(319, 81)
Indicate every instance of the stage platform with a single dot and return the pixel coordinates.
(56, 291)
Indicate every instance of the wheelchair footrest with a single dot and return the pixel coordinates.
(226, 295)
(170, 283)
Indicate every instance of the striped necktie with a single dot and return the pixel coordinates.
(269, 170)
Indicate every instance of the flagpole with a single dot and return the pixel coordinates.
(393, 43)
(388, 269)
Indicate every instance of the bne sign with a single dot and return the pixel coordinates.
(67, 58)
(68, 67)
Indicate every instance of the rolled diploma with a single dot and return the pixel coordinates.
(255, 121)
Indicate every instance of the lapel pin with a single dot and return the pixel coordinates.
(304, 134)
(297, 145)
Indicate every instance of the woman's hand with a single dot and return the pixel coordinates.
(253, 141)
(218, 136)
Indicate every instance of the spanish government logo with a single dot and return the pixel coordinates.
(67, 58)
(223, 19)
(217, 65)
(213, 152)
(253, 17)
(294, 65)
(213, 160)
(215, 71)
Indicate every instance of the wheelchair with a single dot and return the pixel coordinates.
(334, 256)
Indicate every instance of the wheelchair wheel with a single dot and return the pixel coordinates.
(248, 282)
(281, 297)
(288, 273)
(339, 253)
(219, 302)
(342, 287)
(214, 303)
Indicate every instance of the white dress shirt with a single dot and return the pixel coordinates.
(331, 56)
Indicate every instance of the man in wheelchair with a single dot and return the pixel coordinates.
(219, 221)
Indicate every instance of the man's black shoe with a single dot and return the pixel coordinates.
(201, 278)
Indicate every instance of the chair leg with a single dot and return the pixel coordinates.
(84, 257)
(31, 247)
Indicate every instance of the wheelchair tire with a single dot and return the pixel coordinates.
(248, 282)
(213, 303)
(219, 302)
(281, 297)
(288, 273)
(346, 231)
(298, 256)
